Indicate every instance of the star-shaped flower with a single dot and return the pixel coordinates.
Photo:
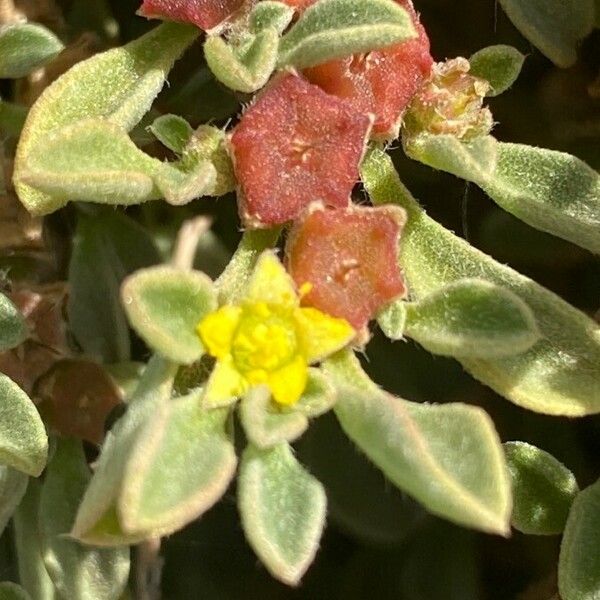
(268, 339)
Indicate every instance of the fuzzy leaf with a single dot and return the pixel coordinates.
(13, 329)
(96, 161)
(579, 562)
(164, 305)
(12, 591)
(319, 396)
(472, 317)
(448, 457)
(107, 247)
(23, 439)
(392, 320)
(77, 571)
(12, 489)
(119, 85)
(554, 26)
(172, 131)
(543, 490)
(181, 464)
(270, 14)
(265, 424)
(244, 69)
(32, 572)
(97, 521)
(559, 375)
(25, 47)
(336, 28)
(283, 511)
(499, 65)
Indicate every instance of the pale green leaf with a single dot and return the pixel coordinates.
(270, 14)
(543, 489)
(97, 521)
(181, 464)
(499, 65)
(12, 591)
(554, 26)
(318, 397)
(472, 317)
(172, 131)
(392, 320)
(13, 329)
(549, 190)
(559, 375)
(579, 563)
(164, 305)
(77, 571)
(107, 247)
(332, 29)
(265, 424)
(12, 489)
(23, 439)
(32, 572)
(283, 511)
(231, 285)
(119, 85)
(245, 69)
(448, 457)
(25, 47)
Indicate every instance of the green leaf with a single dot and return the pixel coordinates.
(282, 509)
(336, 28)
(32, 572)
(265, 424)
(472, 317)
(231, 285)
(554, 26)
(77, 571)
(12, 118)
(96, 161)
(269, 14)
(319, 396)
(247, 68)
(392, 320)
(172, 131)
(12, 489)
(448, 457)
(119, 85)
(97, 521)
(13, 329)
(543, 489)
(549, 190)
(499, 65)
(560, 375)
(579, 562)
(181, 464)
(25, 47)
(164, 305)
(108, 246)
(12, 591)
(23, 439)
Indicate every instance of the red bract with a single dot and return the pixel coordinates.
(299, 5)
(295, 145)
(206, 14)
(349, 259)
(381, 82)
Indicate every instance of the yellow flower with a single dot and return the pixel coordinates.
(269, 339)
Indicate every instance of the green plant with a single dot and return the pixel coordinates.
(248, 350)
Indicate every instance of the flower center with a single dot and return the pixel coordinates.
(264, 342)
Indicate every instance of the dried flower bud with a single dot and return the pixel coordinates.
(295, 145)
(451, 102)
(347, 260)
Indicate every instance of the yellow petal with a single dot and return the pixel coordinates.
(217, 328)
(288, 383)
(224, 385)
(271, 283)
(322, 334)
